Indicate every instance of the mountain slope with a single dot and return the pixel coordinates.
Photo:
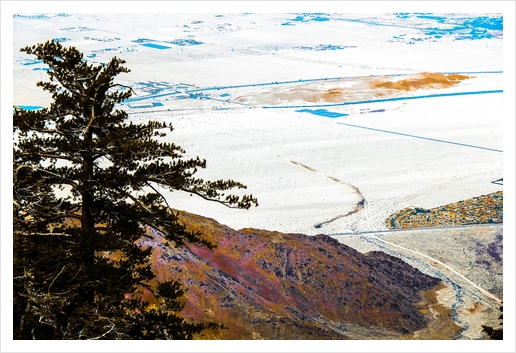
(271, 285)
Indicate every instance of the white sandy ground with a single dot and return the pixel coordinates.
(258, 146)
(392, 172)
(255, 145)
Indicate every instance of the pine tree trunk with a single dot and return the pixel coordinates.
(87, 219)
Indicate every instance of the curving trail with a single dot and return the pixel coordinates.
(434, 260)
(411, 229)
(358, 207)
(459, 292)
(482, 290)
(464, 289)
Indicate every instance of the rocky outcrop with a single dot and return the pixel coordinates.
(270, 285)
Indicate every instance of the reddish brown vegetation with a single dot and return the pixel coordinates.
(272, 285)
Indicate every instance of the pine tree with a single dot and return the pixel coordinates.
(78, 271)
(495, 333)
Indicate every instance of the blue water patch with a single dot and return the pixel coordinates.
(322, 112)
(27, 62)
(142, 40)
(307, 17)
(433, 27)
(377, 111)
(42, 69)
(30, 107)
(199, 95)
(439, 19)
(320, 19)
(482, 27)
(491, 23)
(333, 47)
(155, 46)
(62, 39)
(288, 24)
(224, 95)
(299, 18)
(184, 42)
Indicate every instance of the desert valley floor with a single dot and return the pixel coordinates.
(335, 122)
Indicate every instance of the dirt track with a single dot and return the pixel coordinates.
(462, 257)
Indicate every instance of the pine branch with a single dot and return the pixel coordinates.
(48, 155)
(49, 131)
(48, 291)
(160, 194)
(61, 179)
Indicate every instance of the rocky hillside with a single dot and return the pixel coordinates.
(270, 285)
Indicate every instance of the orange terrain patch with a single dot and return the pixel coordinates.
(426, 80)
(332, 94)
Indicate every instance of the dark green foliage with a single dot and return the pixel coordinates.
(493, 334)
(68, 284)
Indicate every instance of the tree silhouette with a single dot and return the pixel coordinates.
(87, 186)
(495, 333)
